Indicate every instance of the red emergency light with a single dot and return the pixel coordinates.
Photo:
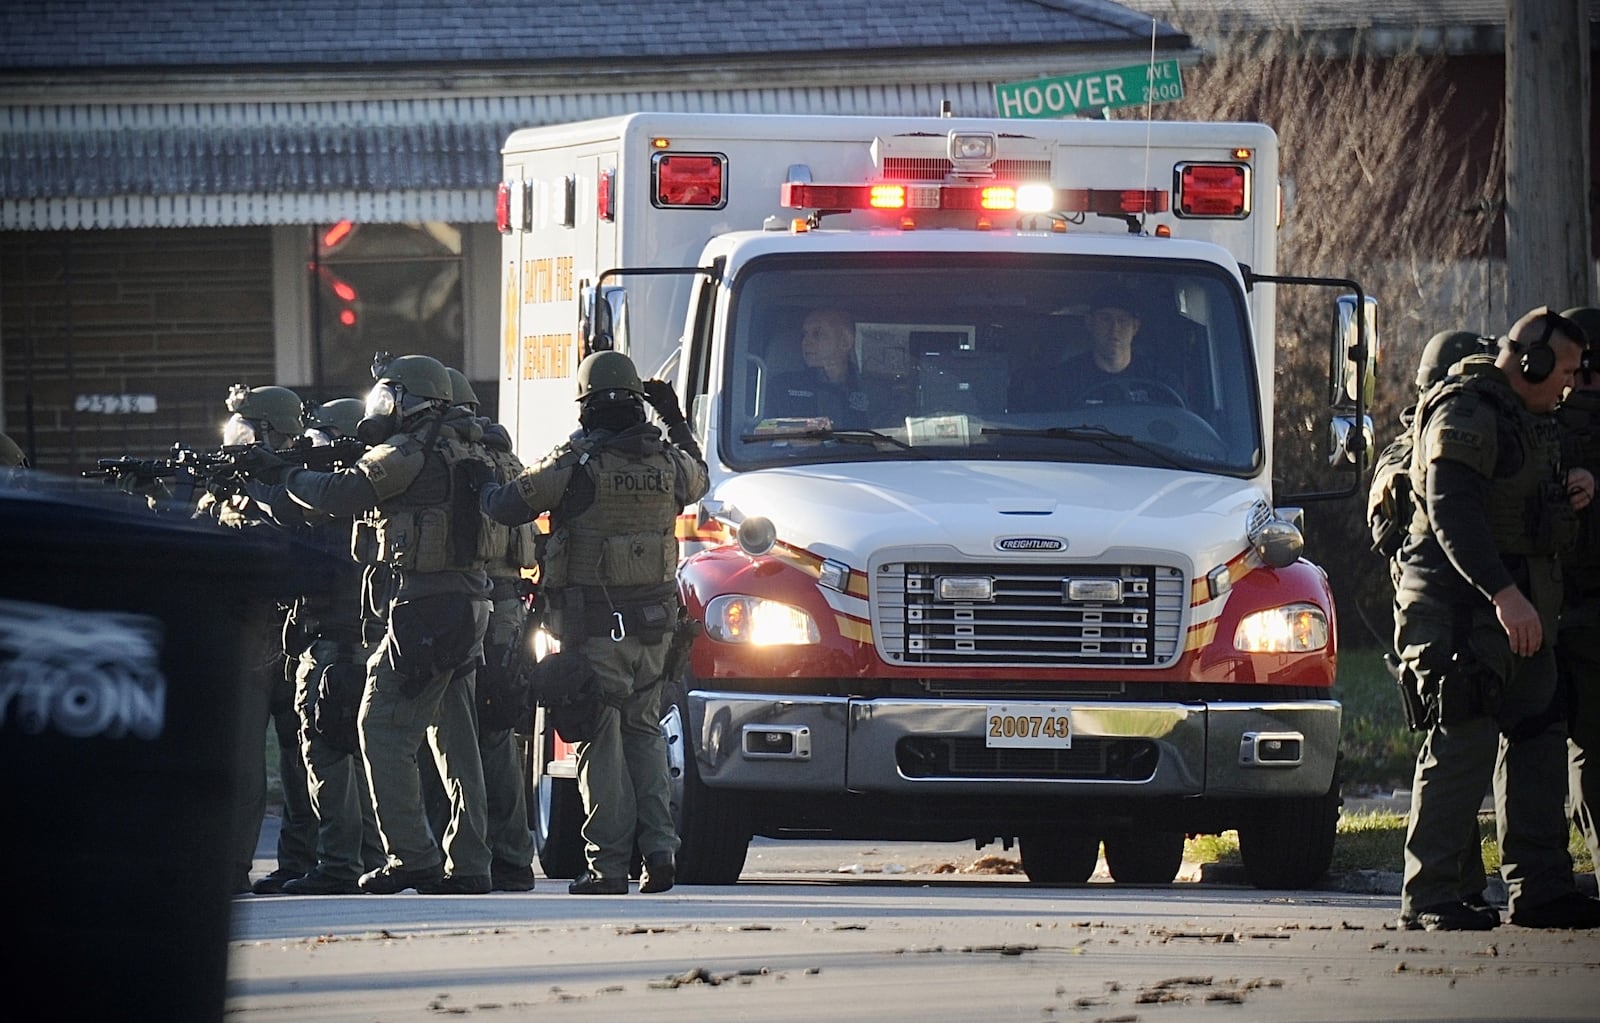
(690, 180)
(1212, 190)
(604, 196)
(337, 233)
(502, 207)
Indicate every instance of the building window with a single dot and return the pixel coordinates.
(382, 287)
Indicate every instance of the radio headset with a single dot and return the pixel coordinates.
(1537, 360)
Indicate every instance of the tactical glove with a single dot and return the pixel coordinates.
(661, 398)
(260, 462)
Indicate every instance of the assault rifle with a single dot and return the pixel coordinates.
(164, 480)
(186, 470)
(341, 454)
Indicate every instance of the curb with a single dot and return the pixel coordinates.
(1370, 882)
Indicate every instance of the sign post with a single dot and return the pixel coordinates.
(1063, 95)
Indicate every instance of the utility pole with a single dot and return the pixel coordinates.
(1548, 222)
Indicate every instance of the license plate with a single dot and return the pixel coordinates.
(1028, 726)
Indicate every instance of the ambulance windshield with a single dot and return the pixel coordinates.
(1042, 358)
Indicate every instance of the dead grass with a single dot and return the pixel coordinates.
(1374, 841)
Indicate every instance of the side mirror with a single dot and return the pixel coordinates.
(603, 318)
(1343, 444)
(1354, 354)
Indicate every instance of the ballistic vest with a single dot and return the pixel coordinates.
(1527, 508)
(626, 536)
(504, 550)
(434, 524)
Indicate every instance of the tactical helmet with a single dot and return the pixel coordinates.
(11, 454)
(422, 376)
(608, 376)
(461, 392)
(1588, 320)
(278, 407)
(340, 416)
(1444, 350)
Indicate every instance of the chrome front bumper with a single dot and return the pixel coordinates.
(838, 744)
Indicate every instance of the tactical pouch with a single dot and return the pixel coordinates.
(300, 629)
(565, 685)
(638, 559)
(503, 696)
(684, 634)
(364, 542)
(337, 705)
(1412, 704)
(427, 637)
(561, 613)
(1468, 689)
(647, 621)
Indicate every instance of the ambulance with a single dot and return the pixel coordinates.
(960, 582)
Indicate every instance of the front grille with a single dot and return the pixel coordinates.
(1032, 619)
(1088, 759)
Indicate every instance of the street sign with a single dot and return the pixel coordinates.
(1092, 90)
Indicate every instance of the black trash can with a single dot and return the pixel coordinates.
(121, 656)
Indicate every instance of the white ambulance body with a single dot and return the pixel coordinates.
(969, 595)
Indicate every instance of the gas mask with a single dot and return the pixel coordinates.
(611, 416)
(239, 431)
(381, 418)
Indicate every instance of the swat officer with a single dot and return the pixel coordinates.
(614, 493)
(1578, 648)
(1475, 611)
(323, 635)
(1390, 518)
(416, 491)
(267, 418)
(502, 703)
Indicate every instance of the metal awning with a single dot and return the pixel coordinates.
(109, 165)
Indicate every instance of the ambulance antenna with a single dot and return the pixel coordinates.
(1149, 93)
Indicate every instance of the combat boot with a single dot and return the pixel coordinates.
(1569, 912)
(511, 877)
(590, 884)
(319, 883)
(389, 878)
(660, 871)
(1448, 916)
(457, 884)
(273, 883)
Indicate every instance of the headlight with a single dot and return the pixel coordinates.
(739, 619)
(1292, 629)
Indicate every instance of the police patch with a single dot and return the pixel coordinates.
(527, 485)
(1466, 438)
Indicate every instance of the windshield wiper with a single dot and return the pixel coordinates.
(1097, 435)
(852, 436)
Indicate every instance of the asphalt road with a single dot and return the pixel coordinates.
(842, 930)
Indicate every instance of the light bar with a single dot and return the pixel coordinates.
(1029, 198)
(1112, 202)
